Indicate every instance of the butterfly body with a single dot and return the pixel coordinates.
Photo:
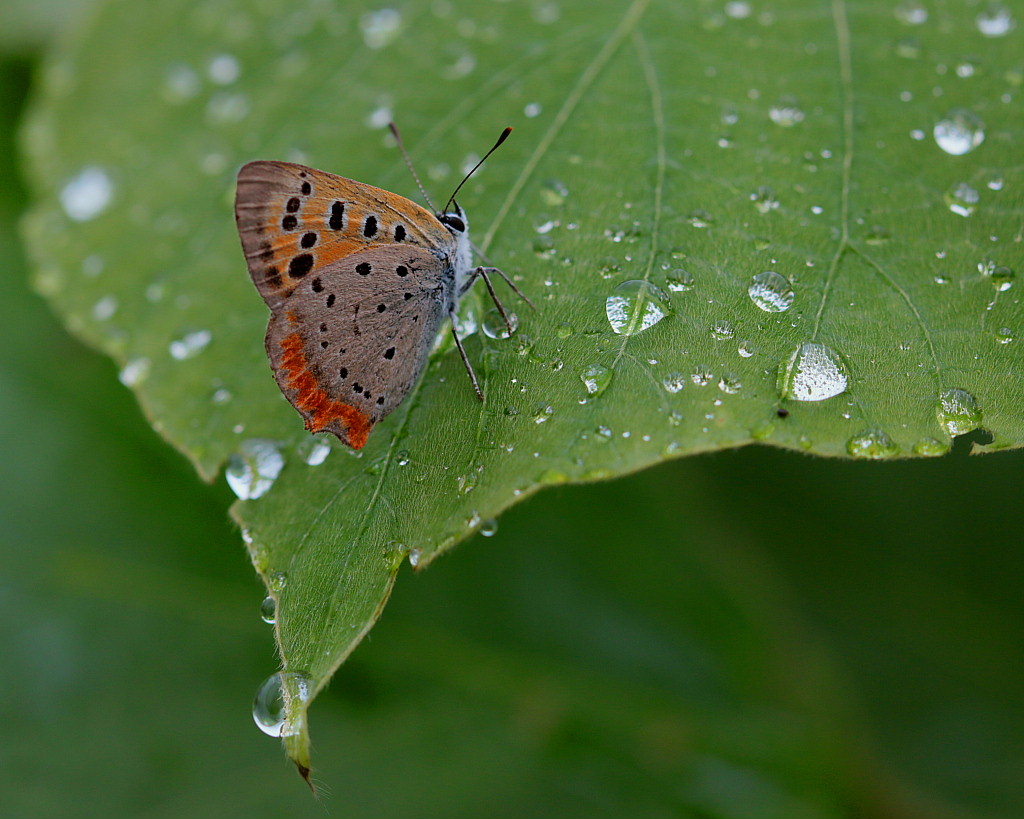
(358, 281)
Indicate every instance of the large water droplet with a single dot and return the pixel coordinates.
(254, 468)
(960, 132)
(958, 412)
(635, 306)
(596, 378)
(812, 372)
(872, 443)
(962, 199)
(494, 325)
(771, 292)
(278, 694)
(88, 194)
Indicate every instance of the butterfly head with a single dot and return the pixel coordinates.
(455, 220)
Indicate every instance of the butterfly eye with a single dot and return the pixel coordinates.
(453, 221)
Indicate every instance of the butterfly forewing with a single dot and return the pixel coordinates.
(296, 220)
(352, 338)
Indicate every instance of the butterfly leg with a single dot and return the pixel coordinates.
(465, 358)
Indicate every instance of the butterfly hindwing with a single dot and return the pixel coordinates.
(295, 221)
(351, 339)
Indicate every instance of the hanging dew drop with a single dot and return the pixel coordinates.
(636, 306)
(268, 610)
(958, 412)
(489, 528)
(280, 696)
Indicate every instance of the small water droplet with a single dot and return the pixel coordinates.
(771, 292)
(812, 372)
(746, 349)
(958, 412)
(764, 199)
(380, 27)
(872, 443)
(181, 83)
(402, 457)
(252, 470)
(105, 308)
(224, 69)
(962, 199)
(489, 528)
(494, 325)
(532, 109)
(911, 12)
(1001, 275)
(722, 330)
(414, 557)
(596, 378)
(268, 610)
(960, 132)
(679, 280)
(730, 384)
(1004, 335)
(277, 581)
(221, 396)
(553, 193)
(995, 21)
(314, 450)
(279, 694)
(786, 112)
(700, 218)
(674, 382)
(702, 376)
(930, 448)
(543, 413)
(564, 330)
(87, 194)
(636, 306)
(995, 184)
(877, 235)
(190, 345)
(134, 372)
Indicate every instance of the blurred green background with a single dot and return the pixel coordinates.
(753, 633)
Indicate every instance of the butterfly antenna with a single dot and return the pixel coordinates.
(408, 162)
(502, 138)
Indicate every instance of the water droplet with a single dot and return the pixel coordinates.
(489, 528)
(564, 330)
(181, 83)
(1002, 276)
(872, 443)
(995, 21)
(730, 384)
(962, 199)
(679, 280)
(224, 69)
(314, 450)
(402, 457)
(494, 325)
(221, 396)
(104, 309)
(554, 193)
(960, 132)
(911, 12)
(877, 235)
(543, 413)
(277, 581)
(995, 184)
(930, 448)
(279, 694)
(253, 469)
(88, 194)
(226, 107)
(786, 112)
(722, 330)
(134, 372)
(1004, 335)
(532, 109)
(702, 376)
(268, 610)
(812, 372)
(190, 345)
(771, 292)
(596, 378)
(635, 306)
(380, 27)
(746, 349)
(958, 412)
(674, 382)
(764, 199)
(700, 218)
(414, 557)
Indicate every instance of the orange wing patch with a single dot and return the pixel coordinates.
(319, 409)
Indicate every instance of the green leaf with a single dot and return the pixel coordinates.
(666, 158)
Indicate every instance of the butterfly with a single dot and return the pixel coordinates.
(359, 281)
